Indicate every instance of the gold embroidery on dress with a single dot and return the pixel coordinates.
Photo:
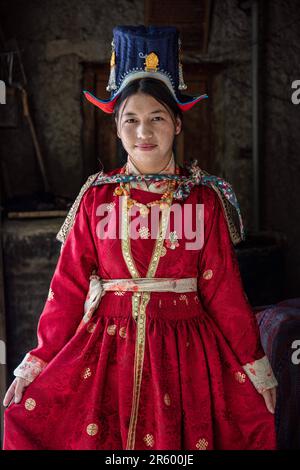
(111, 329)
(184, 297)
(139, 305)
(136, 297)
(163, 251)
(229, 213)
(202, 444)
(110, 206)
(122, 332)
(91, 327)
(70, 218)
(50, 294)
(240, 377)
(144, 232)
(30, 404)
(165, 213)
(92, 429)
(149, 440)
(126, 250)
(208, 274)
(138, 368)
(167, 399)
(86, 373)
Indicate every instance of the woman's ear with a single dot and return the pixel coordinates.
(116, 121)
(178, 125)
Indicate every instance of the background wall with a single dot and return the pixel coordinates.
(55, 38)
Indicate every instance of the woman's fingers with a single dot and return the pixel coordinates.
(10, 393)
(15, 391)
(273, 393)
(21, 385)
(269, 396)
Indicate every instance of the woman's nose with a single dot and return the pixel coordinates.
(144, 131)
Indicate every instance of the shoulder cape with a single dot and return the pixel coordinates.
(196, 177)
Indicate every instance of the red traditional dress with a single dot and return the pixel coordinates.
(167, 357)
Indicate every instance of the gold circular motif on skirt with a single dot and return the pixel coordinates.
(202, 444)
(163, 251)
(240, 377)
(122, 332)
(91, 327)
(86, 373)
(167, 399)
(208, 274)
(92, 429)
(149, 440)
(30, 404)
(111, 329)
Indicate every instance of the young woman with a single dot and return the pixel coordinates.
(146, 340)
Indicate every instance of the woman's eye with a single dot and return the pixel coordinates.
(130, 121)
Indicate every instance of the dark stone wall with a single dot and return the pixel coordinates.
(55, 37)
(30, 255)
(230, 44)
(281, 137)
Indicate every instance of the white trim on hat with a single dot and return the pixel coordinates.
(144, 74)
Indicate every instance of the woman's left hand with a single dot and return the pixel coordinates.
(270, 399)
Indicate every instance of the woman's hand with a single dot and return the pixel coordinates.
(270, 399)
(15, 391)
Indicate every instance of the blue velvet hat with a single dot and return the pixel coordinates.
(139, 52)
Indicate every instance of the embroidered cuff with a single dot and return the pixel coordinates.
(30, 367)
(261, 374)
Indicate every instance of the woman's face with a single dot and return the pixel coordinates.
(147, 130)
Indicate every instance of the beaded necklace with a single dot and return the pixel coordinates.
(166, 199)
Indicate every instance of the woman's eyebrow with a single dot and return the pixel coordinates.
(152, 112)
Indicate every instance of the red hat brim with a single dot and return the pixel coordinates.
(108, 105)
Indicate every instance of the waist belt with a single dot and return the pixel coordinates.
(99, 286)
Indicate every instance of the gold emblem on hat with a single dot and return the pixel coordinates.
(151, 62)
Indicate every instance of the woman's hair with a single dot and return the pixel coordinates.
(153, 87)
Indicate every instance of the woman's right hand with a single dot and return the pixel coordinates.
(15, 391)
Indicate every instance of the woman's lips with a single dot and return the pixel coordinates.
(146, 147)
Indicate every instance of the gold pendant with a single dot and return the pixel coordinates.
(130, 203)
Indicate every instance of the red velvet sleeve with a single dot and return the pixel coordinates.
(221, 287)
(64, 307)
